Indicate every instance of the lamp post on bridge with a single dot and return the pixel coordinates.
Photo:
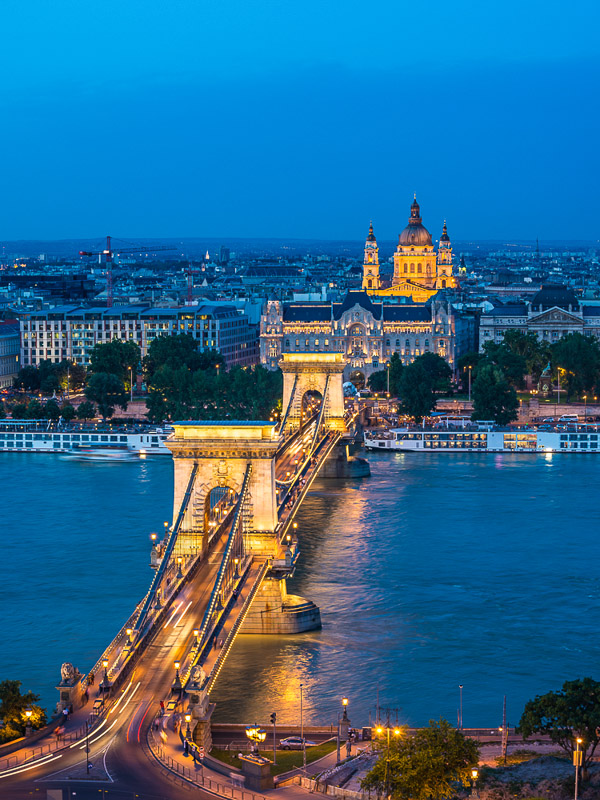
(176, 686)
(105, 685)
(396, 732)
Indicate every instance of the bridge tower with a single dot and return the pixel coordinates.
(305, 373)
(222, 453)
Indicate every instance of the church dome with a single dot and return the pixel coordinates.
(415, 234)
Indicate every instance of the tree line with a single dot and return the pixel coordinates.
(496, 374)
(182, 384)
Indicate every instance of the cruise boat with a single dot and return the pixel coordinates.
(487, 438)
(97, 440)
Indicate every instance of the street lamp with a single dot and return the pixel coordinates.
(397, 732)
(236, 561)
(196, 635)
(470, 371)
(179, 572)
(343, 717)
(256, 735)
(474, 774)
(129, 631)
(105, 685)
(177, 681)
(460, 717)
(28, 713)
(188, 732)
(585, 408)
(577, 761)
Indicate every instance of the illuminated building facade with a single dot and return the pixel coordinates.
(419, 272)
(366, 330)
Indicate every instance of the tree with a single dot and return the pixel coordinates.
(438, 370)
(67, 412)
(52, 410)
(513, 365)
(13, 705)
(50, 384)
(19, 411)
(377, 381)
(28, 378)
(395, 370)
(178, 351)
(107, 391)
(579, 357)
(565, 715)
(2, 410)
(417, 398)
(535, 351)
(35, 410)
(425, 766)
(86, 410)
(493, 397)
(115, 358)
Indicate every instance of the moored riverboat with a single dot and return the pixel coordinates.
(482, 438)
(42, 436)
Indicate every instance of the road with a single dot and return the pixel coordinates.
(122, 765)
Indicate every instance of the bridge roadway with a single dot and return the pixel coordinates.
(118, 741)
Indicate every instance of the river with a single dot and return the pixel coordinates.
(438, 570)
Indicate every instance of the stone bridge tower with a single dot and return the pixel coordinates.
(313, 372)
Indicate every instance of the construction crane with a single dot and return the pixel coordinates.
(108, 252)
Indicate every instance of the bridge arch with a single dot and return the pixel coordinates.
(320, 373)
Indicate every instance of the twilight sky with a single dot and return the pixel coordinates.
(299, 118)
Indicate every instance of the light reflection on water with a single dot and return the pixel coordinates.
(439, 569)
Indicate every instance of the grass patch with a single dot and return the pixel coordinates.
(286, 759)
(518, 757)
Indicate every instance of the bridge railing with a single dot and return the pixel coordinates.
(195, 774)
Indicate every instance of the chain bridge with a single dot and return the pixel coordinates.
(222, 565)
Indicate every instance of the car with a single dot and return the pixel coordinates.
(294, 743)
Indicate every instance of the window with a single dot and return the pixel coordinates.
(426, 343)
(397, 344)
(412, 268)
(287, 344)
(419, 268)
(387, 342)
(407, 344)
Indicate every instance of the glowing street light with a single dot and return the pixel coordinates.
(256, 735)
(179, 562)
(177, 681)
(474, 775)
(129, 631)
(188, 732)
(396, 731)
(577, 762)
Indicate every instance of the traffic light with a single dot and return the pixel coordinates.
(273, 718)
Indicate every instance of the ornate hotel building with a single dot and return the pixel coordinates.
(367, 330)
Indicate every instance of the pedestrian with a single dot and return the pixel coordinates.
(185, 747)
(156, 723)
(65, 713)
(162, 707)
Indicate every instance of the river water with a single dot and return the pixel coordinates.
(438, 570)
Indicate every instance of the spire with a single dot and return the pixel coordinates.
(415, 213)
(444, 237)
(371, 236)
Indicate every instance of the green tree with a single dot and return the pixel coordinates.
(395, 369)
(35, 410)
(76, 374)
(493, 397)
(513, 365)
(565, 715)
(535, 351)
(417, 398)
(115, 358)
(19, 411)
(107, 391)
(13, 705)
(438, 370)
(50, 384)
(86, 410)
(178, 351)
(28, 378)
(579, 357)
(52, 410)
(67, 412)
(377, 381)
(426, 766)
(2, 410)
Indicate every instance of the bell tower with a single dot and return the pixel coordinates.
(371, 281)
(445, 278)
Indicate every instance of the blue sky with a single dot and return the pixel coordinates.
(299, 119)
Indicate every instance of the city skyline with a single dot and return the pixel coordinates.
(299, 121)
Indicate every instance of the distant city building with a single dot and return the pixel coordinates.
(9, 352)
(367, 330)
(419, 272)
(72, 331)
(552, 313)
(224, 254)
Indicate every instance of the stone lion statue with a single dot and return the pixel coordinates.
(67, 672)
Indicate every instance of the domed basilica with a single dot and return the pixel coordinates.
(419, 272)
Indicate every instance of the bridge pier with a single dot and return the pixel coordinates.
(341, 464)
(274, 611)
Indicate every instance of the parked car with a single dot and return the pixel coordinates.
(294, 743)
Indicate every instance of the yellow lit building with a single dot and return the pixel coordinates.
(419, 272)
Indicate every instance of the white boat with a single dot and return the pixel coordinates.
(42, 436)
(486, 438)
